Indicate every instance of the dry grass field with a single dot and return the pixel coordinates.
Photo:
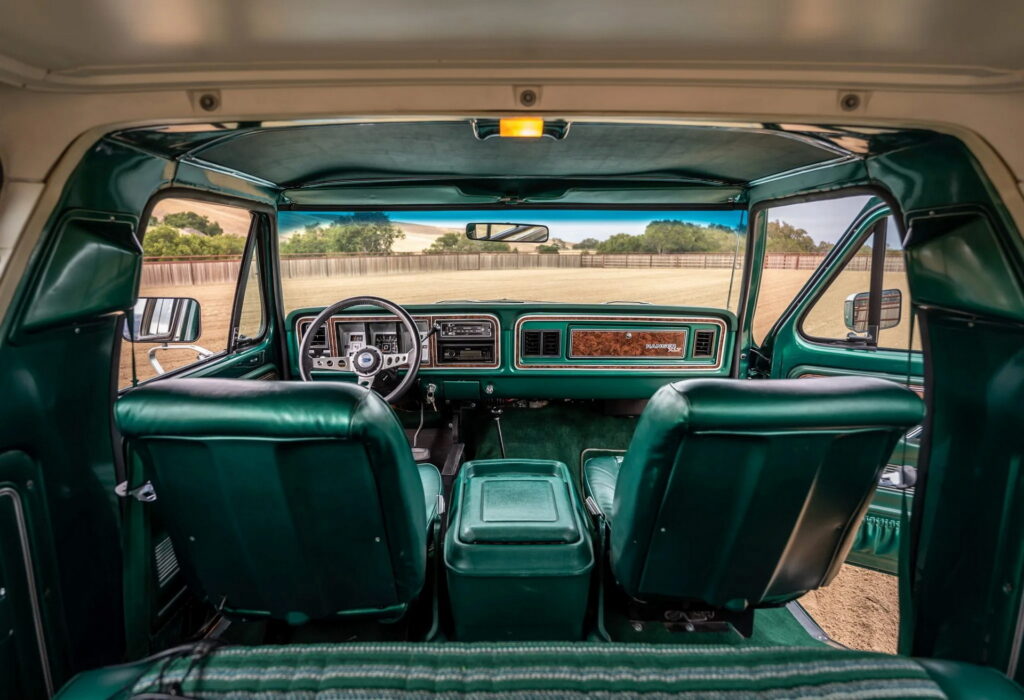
(579, 285)
(859, 609)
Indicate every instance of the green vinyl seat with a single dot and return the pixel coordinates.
(742, 493)
(286, 500)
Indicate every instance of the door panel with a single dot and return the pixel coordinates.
(27, 665)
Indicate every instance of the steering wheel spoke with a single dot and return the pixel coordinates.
(366, 380)
(394, 359)
(331, 363)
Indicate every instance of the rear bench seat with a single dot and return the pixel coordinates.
(397, 670)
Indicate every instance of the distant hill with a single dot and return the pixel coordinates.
(419, 236)
(234, 221)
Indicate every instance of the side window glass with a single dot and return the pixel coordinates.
(799, 236)
(825, 318)
(251, 319)
(843, 311)
(192, 254)
(895, 277)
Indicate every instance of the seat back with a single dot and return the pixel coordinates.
(282, 499)
(741, 493)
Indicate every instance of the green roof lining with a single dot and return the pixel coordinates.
(321, 154)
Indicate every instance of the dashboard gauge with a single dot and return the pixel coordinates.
(386, 342)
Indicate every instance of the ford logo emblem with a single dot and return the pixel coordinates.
(365, 360)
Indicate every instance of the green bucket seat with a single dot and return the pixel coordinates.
(285, 499)
(743, 493)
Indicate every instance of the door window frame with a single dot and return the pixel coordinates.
(829, 267)
(252, 251)
(870, 224)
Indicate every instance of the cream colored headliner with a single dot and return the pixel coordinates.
(62, 43)
(76, 69)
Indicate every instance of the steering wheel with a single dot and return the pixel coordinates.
(367, 362)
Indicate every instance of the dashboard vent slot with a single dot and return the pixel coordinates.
(542, 343)
(319, 337)
(703, 343)
(551, 343)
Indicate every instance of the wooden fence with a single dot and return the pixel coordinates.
(159, 272)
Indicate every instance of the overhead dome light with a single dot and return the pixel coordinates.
(520, 128)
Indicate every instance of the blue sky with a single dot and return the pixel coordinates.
(569, 225)
(824, 220)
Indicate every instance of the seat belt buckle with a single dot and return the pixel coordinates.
(145, 493)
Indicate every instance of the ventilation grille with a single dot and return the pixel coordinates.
(542, 343)
(319, 337)
(166, 561)
(703, 343)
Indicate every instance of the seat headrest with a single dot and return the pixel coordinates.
(820, 402)
(244, 408)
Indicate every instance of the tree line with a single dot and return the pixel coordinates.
(184, 234)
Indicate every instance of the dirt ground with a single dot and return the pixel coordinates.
(859, 609)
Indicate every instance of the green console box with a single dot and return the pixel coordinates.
(518, 552)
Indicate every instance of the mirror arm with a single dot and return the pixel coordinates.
(202, 353)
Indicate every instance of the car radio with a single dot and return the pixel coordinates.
(467, 329)
(470, 342)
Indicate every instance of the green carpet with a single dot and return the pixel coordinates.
(556, 431)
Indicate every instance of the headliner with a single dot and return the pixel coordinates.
(308, 155)
(321, 156)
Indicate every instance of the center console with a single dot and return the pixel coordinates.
(518, 552)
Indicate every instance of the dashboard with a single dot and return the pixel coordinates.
(531, 350)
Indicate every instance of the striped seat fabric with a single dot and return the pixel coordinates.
(520, 670)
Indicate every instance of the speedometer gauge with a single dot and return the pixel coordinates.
(386, 342)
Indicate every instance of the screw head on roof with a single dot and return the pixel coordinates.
(209, 101)
(850, 101)
(528, 98)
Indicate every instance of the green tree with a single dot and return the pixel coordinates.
(670, 236)
(370, 233)
(587, 244)
(189, 219)
(786, 238)
(458, 243)
(545, 249)
(168, 242)
(621, 243)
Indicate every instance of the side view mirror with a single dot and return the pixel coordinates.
(507, 233)
(164, 320)
(855, 310)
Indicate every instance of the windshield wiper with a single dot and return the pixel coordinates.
(624, 301)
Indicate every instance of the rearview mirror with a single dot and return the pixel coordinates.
(855, 310)
(507, 233)
(164, 320)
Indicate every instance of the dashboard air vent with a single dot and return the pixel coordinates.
(703, 343)
(551, 343)
(542, 343)
(319, 337)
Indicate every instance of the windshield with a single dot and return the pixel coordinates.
(683, 258)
